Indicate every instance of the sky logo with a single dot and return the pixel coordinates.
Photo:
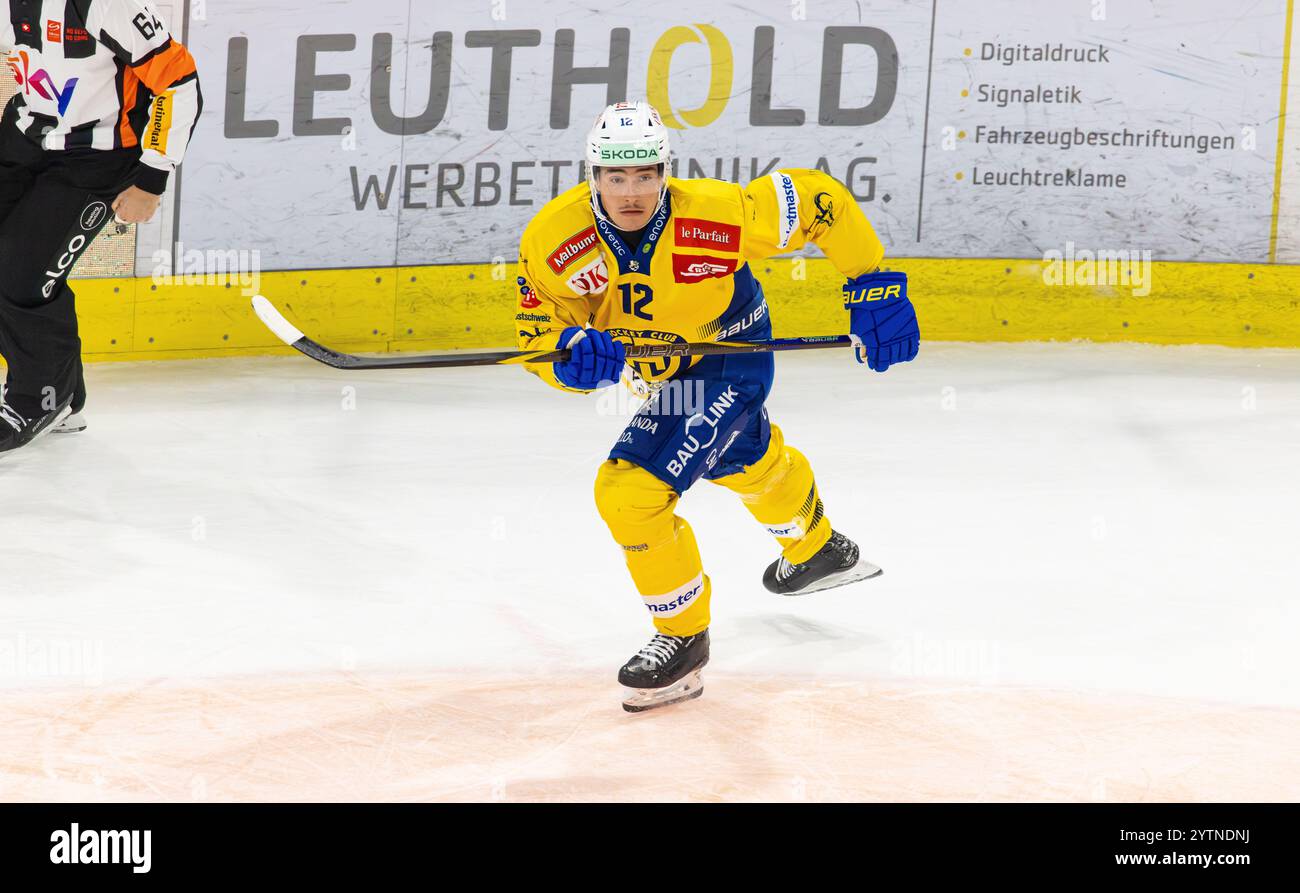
(41, 82)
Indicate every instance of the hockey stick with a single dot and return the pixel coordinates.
(290, 335)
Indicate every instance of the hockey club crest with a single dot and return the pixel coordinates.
(825, 218)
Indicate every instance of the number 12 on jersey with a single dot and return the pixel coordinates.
(645, 296)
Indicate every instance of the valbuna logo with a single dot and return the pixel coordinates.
(573, 248)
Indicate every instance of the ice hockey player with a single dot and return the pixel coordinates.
(638, 256)
(105, 108)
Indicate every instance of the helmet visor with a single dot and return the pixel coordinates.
(629, 182)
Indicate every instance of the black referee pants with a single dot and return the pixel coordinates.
(52, 205)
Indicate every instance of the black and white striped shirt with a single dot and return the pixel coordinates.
(102, 74)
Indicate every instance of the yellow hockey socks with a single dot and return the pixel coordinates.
(659, 547)
(780, 492)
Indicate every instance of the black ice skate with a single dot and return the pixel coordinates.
(836, 564)
(665, 671)
(16, 430)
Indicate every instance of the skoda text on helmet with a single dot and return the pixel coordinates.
(626, 134)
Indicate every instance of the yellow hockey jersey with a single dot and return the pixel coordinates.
(689, 278)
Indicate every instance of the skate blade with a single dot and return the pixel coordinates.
(73, 424)
(863, 570)
(639, 700)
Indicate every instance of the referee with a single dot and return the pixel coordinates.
(106, 105)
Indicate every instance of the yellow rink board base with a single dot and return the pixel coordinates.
(471, 306)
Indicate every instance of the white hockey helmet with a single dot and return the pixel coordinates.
(626, 134)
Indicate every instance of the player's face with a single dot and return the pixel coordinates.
(629, 194)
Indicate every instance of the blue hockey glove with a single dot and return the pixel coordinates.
(882, 321)
(597, 359)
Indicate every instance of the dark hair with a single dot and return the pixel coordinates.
(600, 167)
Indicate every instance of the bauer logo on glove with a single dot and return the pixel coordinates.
(882, 321)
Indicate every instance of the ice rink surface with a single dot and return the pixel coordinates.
(265, 579)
